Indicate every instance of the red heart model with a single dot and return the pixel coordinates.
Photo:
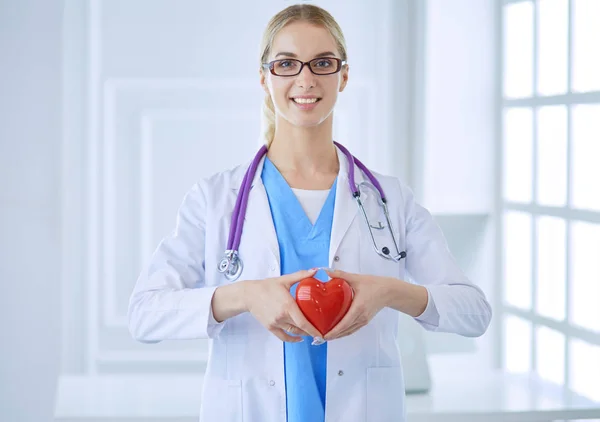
(324, 304)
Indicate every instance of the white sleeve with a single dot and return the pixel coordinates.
(170, 299)
(455, 304)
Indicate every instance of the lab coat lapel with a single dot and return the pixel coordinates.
(258, 213)
(258, 222)
(346, 208)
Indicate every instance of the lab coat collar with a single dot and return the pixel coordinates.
(258, 211)
(240, 171)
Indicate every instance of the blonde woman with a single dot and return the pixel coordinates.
(246, 236)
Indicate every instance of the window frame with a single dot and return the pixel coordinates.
(569, 99)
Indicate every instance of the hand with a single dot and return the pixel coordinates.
(271, 303)
(370, 293)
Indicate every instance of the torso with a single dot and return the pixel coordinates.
(244, 378)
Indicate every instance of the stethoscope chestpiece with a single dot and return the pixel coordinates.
(386, 251)
(231, 265)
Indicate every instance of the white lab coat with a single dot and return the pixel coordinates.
(244, 379)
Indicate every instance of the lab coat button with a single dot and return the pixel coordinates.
(336, 258)
(340, 373)
(271, 383)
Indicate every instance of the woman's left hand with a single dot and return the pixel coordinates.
(370, 295)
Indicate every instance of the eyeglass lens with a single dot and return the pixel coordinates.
(320, 66)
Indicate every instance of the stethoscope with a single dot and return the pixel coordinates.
(231, 265)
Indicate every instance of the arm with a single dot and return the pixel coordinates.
(170, 299)
(454, 304)
(410, 299)
(228, 301)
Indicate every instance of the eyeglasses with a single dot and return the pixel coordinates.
(318, 66)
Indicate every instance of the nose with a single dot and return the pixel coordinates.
(306, 79)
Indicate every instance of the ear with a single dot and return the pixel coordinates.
(263, 81)
(344, 74)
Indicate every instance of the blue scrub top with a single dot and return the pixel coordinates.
(302, 246)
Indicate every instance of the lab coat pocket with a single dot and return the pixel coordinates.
(222, 401)
(385, 394)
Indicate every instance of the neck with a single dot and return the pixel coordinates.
(304, 150)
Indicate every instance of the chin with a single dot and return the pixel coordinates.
(308, 123)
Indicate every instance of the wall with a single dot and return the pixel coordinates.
(453, 143)
(459, 106)
(144, 106)
(30, 223)
(454, 118)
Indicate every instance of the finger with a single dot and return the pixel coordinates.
(349, 277)
(300, 321)
(350, 330)
(289, 279)
(346, 322)
(295, 330)
(283, 336)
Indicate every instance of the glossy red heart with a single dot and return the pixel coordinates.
(324, 303)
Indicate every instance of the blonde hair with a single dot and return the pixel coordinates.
(299, 12)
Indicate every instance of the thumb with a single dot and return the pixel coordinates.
(349, 277)
(289, 279)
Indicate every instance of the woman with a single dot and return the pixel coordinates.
(300, 217)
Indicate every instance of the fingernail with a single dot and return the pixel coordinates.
(327, 269)
(317, 341)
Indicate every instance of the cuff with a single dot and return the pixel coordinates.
(430, 315)
(200, 300)
(211, 317)
(213, 327)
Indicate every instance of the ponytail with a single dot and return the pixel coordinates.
(268, 120)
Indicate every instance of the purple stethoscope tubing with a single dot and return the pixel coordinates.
(231, 264)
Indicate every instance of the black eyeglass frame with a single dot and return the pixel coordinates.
(271, 66)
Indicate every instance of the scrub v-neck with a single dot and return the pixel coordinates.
(302, 245)
(281, 191)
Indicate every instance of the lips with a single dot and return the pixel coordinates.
(306, 100)
(305, 103)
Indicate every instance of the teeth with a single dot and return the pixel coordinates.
(305, 100)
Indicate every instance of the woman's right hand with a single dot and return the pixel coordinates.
(271, 303)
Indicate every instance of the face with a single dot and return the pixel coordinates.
(303, 41)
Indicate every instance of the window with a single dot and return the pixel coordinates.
(550, 191)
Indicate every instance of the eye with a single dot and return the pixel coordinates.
(286, 63)
(324, 63)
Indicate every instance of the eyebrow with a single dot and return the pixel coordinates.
(288, 54)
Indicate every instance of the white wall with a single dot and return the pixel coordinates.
(30, 223)
(453, 174)
(459, 106)
(454, 118)
(146, 99)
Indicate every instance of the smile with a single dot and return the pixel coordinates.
(305, 100)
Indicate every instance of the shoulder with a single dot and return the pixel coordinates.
(226, 179)
(211, 189)
(217, 182)
(396, 190)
